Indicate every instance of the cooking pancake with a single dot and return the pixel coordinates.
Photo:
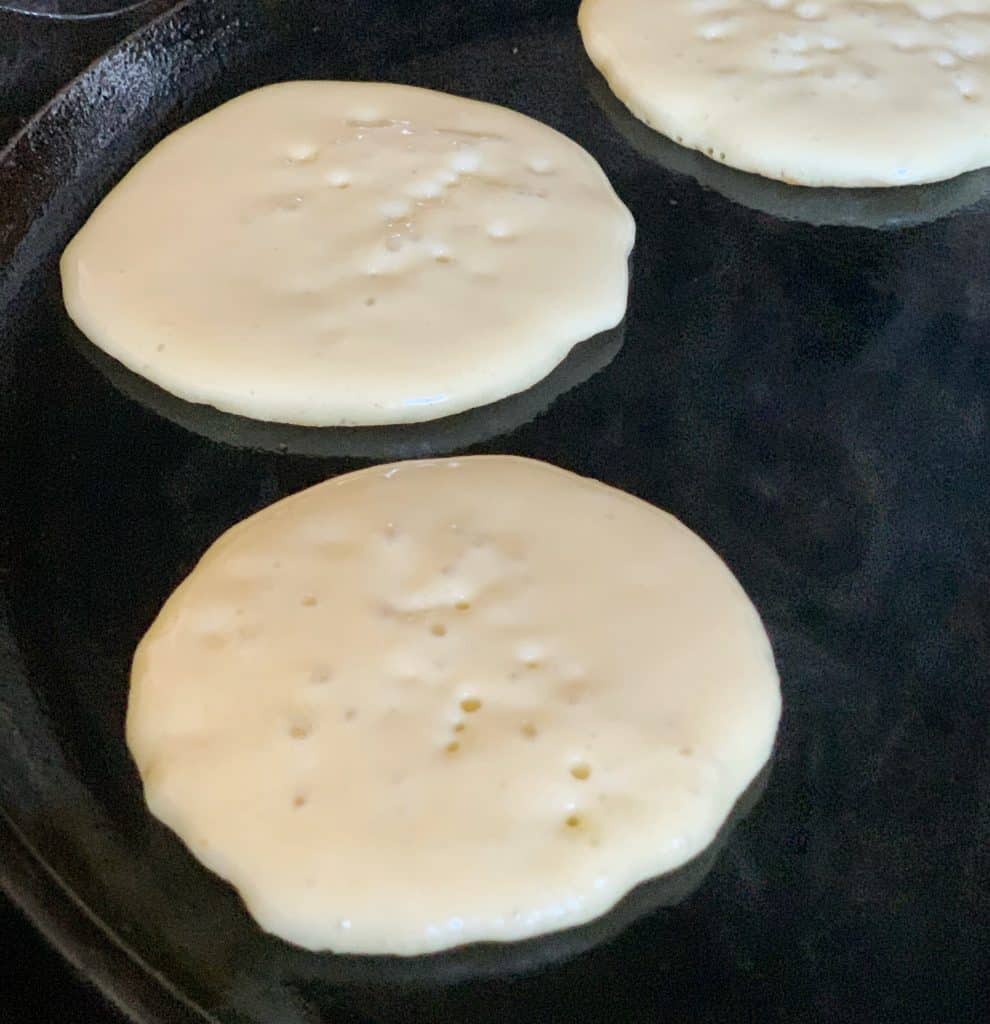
(812, 92)
(445, 701)
(341, 253)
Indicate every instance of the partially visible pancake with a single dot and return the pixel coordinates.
(813, 92)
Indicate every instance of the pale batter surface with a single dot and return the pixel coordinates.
(814, 92)
(352, 253)
(443, 701)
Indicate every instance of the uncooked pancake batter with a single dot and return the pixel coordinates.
(814, 92)
(331, 253)
(444, 701)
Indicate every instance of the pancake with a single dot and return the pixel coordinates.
(845, 93)
(342, 253)
(446, 701)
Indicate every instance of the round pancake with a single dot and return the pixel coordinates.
(444, 701)
(814, 92)
(343, 253)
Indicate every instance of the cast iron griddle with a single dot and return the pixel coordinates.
(811, 399)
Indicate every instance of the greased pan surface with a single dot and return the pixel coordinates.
(812, 399)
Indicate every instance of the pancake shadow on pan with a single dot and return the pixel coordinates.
(896, 207)
(272, 962)
(386, 442)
